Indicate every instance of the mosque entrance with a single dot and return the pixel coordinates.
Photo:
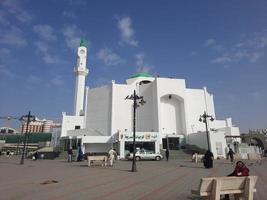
(141, 145)
(174, 143)
(172, 115)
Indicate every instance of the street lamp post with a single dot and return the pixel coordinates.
(203, 118)
(26, 118)
(135, 97)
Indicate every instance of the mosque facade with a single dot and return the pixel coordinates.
(103, 117)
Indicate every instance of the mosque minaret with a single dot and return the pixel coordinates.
(81, 72)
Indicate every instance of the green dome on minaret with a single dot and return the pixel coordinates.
(141, 74)
(82, 43)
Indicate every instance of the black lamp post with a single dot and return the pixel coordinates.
(203, 118)
(26, 118)
(135, 97)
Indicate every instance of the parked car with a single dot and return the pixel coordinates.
(145, 155)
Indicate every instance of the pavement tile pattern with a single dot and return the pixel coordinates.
(157, 180)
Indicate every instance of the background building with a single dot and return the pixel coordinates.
(8, 130)
(39, 126)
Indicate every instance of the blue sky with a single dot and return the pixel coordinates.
(218, 44)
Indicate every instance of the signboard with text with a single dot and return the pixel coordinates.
(140, 136)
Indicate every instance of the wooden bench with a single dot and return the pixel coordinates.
(212, 187)
(102, 160)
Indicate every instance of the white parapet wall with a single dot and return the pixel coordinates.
(217, 141)
(71, 123)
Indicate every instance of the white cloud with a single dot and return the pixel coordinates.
(69, 14)
(212, 43)
(14, 8)
(57, 81)
(127, 32)
(47, 57)
(109, 57)
(259, 41)
(237, 56)
(262, 42)
(52, 59)
(45, 31)
(3, 18)
(209, 42)
(12, 13)
(5, 72)
(13, 36)
(255, 56)
(34, 79)
(101, 81)
(41, 46)
(222, 59)
(72, 36)
(78, 2)
(256, 94)
(193, 53)
(231, 97)
(4, 51)
(247, 50)
(24, 17)
(141, 64)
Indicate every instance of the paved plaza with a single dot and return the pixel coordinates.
(58, 179)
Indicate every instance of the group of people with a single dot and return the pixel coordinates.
(240, 169)
(79, 154)
(208, 158)
(112, 154)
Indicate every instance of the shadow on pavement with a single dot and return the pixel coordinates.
(191, 166)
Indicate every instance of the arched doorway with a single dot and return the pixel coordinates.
(172, 113)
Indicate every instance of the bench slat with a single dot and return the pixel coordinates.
(202, 194)
(235, 191)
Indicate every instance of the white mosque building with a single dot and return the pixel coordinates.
(103, 117)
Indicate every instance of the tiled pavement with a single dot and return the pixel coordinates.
(153, 180)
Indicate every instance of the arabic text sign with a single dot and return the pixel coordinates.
(140, 136)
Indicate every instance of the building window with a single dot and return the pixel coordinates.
(77, 127)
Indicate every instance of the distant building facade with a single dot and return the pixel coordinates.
(7, 130)
(39, 126)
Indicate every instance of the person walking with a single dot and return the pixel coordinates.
(112, 153)
(167, 153)
(80, 154)
(231, 155)
(70, 153)
(208, 159)
(8, 153)
(35, 155)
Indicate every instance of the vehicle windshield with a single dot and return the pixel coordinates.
(145, 151)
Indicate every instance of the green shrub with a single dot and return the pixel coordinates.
(32, 138)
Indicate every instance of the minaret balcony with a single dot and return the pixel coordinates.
(81, 71)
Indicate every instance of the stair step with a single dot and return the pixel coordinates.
(177, 154)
